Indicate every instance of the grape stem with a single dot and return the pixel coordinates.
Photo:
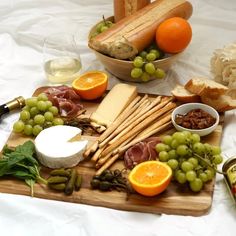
(212, 166)
(104, 20)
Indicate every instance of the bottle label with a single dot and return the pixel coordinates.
(231, 174)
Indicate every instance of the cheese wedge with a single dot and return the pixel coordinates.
(60, 146)
(113, 104)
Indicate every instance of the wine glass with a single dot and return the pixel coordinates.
(62, 63)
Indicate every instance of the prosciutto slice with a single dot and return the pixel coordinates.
(65, 99)
(140, 152)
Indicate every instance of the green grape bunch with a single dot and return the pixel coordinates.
(37, 114)
(191, 161)
(102, 27)
(144, 67)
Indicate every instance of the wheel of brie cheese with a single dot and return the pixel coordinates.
(60, 146)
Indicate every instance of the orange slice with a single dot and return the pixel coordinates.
(91, 85)
(150, 178)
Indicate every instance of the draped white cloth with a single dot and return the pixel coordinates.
(23, 26)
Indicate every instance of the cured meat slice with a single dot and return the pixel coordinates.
(140, 152)
(66, 99)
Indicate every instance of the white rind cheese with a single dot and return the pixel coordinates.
(114, 103)
(57, 147)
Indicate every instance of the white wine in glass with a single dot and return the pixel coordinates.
(62, 63)
(62, 70)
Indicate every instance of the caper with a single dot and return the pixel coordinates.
(105, 185)
(117, 172)
(121, 180)
(96, 177)
(57, 179)
(104, 173)
(95, 183)
(109, 177)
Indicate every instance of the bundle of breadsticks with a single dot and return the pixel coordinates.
(142, 118)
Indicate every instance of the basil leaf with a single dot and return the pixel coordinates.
(6, 149)
(23, 175)
(27, 149)
(3, 169)
(13, 158)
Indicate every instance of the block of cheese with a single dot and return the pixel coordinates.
(113, 104)
(60, 146)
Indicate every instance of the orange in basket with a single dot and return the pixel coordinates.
(91, 85)
(173, 35)
(150, 178)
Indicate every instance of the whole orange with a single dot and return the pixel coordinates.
(173, 35)
(91, 85)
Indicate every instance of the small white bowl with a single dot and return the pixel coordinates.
(185, 108)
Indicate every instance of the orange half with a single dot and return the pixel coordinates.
(91, 85)
(150, 178)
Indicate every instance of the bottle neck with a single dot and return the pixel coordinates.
(16, 103)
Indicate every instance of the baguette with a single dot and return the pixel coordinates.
(123, 8)
(183, 95)
(205, 87)
(221, 104)
(135, 32)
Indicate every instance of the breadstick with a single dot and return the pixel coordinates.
(97, 154)
(103, 159)
(107, 164)
(139, 127)
(135, 116)
(124, 124)
(166, 117)
(94, 146)
(124, 148)
(91, 149)
(139, 119)
(137, 111)
(147, 135)
(119, 119)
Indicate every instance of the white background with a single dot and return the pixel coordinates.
(23, 26)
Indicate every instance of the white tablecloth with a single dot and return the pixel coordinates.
(23, 26)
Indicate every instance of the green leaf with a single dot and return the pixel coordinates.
(14, 158)
(23, 175)
(32, 160)
(27, 149)
(3, 169)
(6, 149)
(20, 163)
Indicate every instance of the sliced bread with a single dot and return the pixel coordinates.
(205, 87)
(221, 104)
(183, 95)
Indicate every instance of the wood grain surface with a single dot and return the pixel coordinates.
(175, 200)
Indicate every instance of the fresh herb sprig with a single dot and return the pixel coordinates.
(20, 163)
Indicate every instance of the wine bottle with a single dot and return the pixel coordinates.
(16, 103)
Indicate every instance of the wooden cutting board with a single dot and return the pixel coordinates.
(175, 200)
